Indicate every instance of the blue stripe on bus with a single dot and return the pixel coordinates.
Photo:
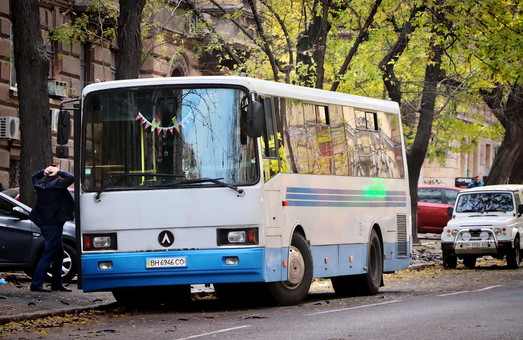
(319, 197)
(338, 191)
(343, 198)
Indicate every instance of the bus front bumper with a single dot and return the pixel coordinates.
(108, 271)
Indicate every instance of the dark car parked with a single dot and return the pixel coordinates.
(433, 202)
(22, 244)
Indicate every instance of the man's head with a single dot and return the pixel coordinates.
(477, 179)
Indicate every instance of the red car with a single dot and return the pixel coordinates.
(433, 202)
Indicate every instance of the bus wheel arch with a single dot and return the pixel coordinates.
(300, 271)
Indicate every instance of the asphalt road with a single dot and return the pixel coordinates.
(433, 303)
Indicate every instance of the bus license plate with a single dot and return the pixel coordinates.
(165, 262)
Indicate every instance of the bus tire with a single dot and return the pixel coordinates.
(372, 279)
(295, 289)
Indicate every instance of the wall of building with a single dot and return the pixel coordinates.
(478, 162)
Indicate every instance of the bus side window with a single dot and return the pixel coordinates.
(269, 142)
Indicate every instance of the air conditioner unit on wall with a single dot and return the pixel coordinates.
(57, 88)
(9, 128)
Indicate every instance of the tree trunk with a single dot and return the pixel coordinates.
(311, 47)
(129, 58)
(32, 68)
(507, 164)
(418, 151)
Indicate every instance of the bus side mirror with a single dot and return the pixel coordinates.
(520, 209)
(255, 119)
(64, 127)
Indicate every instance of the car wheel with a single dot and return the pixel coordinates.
(69, 264)
(295, 289)
(450, 261)
(514, 255)
(469, 262)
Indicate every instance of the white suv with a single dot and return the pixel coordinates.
(485, 221)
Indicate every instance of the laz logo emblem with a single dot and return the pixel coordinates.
(166, 238)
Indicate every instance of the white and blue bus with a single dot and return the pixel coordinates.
(232, 181)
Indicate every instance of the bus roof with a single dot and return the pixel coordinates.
(261, 87)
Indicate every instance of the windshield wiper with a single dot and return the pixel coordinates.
(116, 178)
(218, 181)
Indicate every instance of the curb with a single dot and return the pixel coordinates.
(420, 266)
(53, 312)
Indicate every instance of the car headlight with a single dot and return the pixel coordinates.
(483, 235)
(454, 232)
(497, 231)
(466, 236)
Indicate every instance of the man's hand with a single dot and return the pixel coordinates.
(51, 171)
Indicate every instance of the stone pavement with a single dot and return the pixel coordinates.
(18, 303)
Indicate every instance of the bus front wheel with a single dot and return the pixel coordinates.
(299, 266)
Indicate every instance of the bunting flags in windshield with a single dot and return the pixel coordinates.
(156, 124)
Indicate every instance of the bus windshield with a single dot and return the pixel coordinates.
(144, 137)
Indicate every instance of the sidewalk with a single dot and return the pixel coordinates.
(18, 303)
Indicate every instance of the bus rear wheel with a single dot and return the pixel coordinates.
(368, 283)
(295, 289)
(371, 281)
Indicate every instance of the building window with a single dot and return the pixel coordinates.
(13, 85)
(488, 154)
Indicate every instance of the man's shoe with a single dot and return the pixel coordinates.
(39, 288)
(61, 288)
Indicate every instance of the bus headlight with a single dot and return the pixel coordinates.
(246, 236)
(100, 242)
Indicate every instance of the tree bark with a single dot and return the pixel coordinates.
(507, 164)
(362, 35)
(32, 68)
(388, 62)
(311, 45)
(129, 58)
(418, 151)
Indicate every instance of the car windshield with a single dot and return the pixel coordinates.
(167, 136)
(485, 202)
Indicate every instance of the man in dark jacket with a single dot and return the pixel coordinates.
(54, 206)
